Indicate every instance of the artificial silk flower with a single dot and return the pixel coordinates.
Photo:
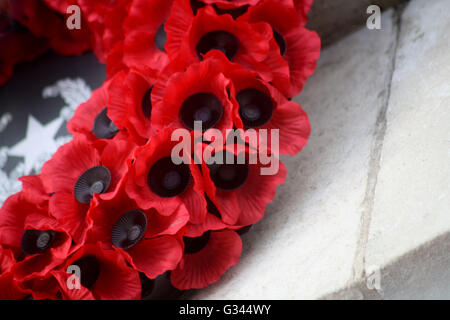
(92, 118)
(193, 37)
(299, 46)
(105, 22)
(38, 242)
(79, 171)
(235, 188)
(145, 35)
(105, 275)
(155, 181)
(206, 258)
(200, 93)
(263, 108)
(149, 241)
(130, 104)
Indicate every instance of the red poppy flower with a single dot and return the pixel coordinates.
(300, 47)
(155, 181)
(37, 240)
(192, 37)
(206, 258)
(198, 94)
(235, 188)
(76, 173)
(105, 20)
(44, 22)
(145, 35)
(17, 44)
(105, 275)
(262, 107)
(147, 239)
(92, 118)
(250, 45)
(130, 104)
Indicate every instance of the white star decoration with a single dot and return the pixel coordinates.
(39, 143)
(40, 140)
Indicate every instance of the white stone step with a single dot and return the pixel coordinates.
(367, 201)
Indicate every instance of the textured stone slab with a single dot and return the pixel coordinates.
(412, 198)
(333, 19)
(305, 246)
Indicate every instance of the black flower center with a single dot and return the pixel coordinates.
(255, 107)
(104, 128)
(204, 107)
(129, 229)
(195, 5)
(160, 38)
(219, 40)
(234, 12)
(194, 245)
(167, 179)
(89, 270)
(228, 176)
(93, 180)
(147, 102)
(37, 241)
(280, 41)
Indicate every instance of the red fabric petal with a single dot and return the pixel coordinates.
(116, 280)
(141, 25)
(155, 256)
(211, 222)
(70, 214)
(158, 147)
(115, 157)
(7, 260)
(294, 127)
(33, 190)
(302, 45)
(246, 205)
(9, 288)
(205, 267)
(126, 95)
(72, 159)
(39, 265)
(302, 55)
(82, 121)
(12, 219)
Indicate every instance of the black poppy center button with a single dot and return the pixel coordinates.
(129, 229)
(104, 128)
(204, 107)
(94, 180)
(220, 40)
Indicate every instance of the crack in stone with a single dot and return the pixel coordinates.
(374, 168)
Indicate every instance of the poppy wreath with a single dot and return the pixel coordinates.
(112, 215)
